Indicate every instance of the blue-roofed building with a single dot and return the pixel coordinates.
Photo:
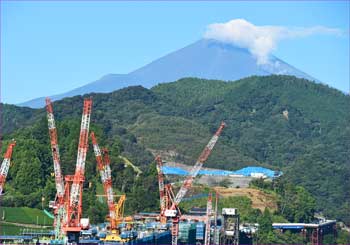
(251, 171)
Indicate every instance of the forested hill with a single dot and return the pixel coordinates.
(281, 122)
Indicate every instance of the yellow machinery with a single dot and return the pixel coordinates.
(119, 210)
(119, 218)
(116, 210)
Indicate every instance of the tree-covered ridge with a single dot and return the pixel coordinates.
(14, 117)
(280, 122)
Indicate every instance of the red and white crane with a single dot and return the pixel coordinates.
(108, 183)
(166, 194)
(74, 206)
(103, 165)
(195, 170)
(59, 208)
(208, 214)
(5, 165)
(187, 184)
(68, 203)
(162, 191)
(55, 149)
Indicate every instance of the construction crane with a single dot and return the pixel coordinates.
(162, 197)
(119, 209)
(74, 183)
(119, 206)
(59, 208)
(103, 165)
(116, 210)
(208, 214)
(187, 184)
(5, 165)
(68, 204)
(166, 194)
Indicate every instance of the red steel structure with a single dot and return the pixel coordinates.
(68, 203)
(103, 165)
(216, 218)
(207, 226)
(74, 206)
(59, 207)
(114, 214)
(5, 165)
(194, 171)
(187, 184)
(55, 149)
(162, 197)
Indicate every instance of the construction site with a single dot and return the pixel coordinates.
(168, 226)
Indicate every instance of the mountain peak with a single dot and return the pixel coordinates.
(205, 58)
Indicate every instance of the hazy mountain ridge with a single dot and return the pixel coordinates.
(205, 58)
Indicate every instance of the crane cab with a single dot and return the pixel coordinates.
(170, 213)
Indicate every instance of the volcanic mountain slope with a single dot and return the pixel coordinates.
(205, 58)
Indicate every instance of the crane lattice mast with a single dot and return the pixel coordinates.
(173, 211)
(215, 238)
(161, 186)
(103, 165)
(208, 214)
(119, 209)
(55, 150)
(108, 182)
(75, 199)
(59, 208)
(5, 165)
(195, 170)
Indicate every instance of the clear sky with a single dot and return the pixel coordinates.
(52, 47)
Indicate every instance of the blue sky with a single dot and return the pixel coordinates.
(52, 47)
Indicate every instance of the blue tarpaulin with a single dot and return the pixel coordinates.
(247, 171)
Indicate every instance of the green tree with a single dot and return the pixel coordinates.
(145, 193)
(97, 212)
(28, 178)
(265, 222)
(295, 203)
(343, 237)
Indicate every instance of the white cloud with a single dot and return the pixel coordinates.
(260, 40)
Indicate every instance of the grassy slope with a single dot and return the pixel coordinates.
(10, 229)
(25, 215)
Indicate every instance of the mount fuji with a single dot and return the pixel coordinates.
(205, 58)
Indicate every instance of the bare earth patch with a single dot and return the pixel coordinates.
(260, 200)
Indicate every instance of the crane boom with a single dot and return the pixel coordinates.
(108, 173)
(194, 171)
(82, 150)
(74, 183)
(59, 208)
(68, 204)
(105, 173)
(116, 211)
(5, 165)
(98, 156)
(173, 212)
(119, 207)
(161, 183)
(55, 149)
